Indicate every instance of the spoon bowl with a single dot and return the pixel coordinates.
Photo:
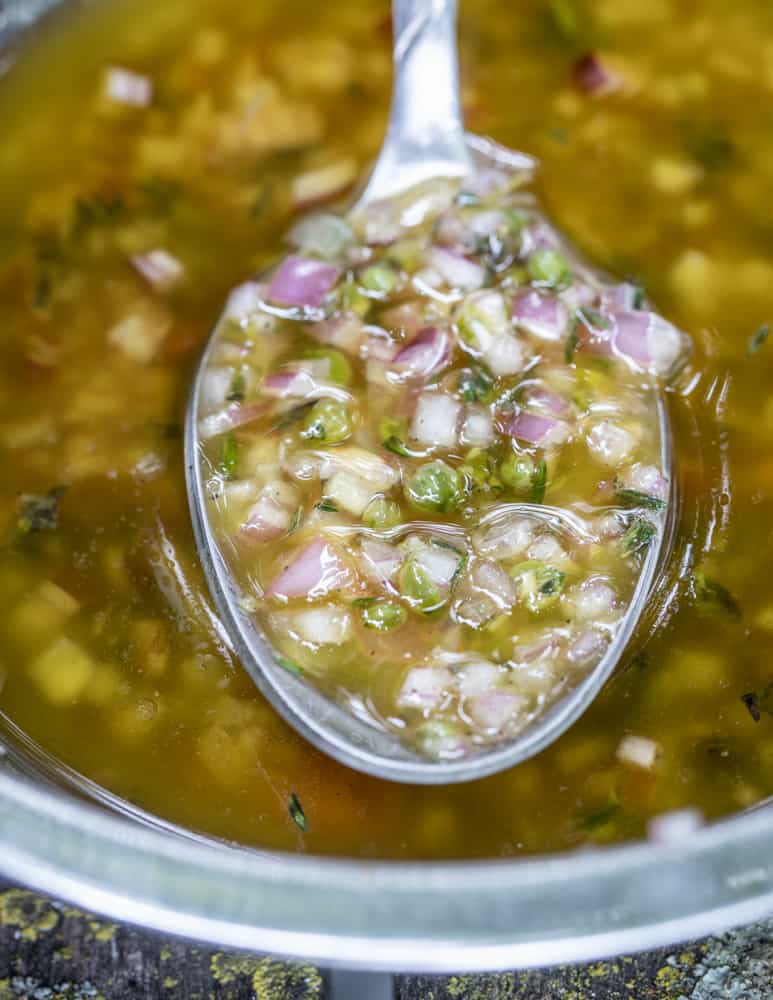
(425, 141)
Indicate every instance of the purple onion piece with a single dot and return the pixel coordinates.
(302, 281)
(315, 572)
(429, 352)
(539, 313)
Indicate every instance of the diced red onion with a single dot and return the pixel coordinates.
(316, 571)
(586, 647)
(609, 442)
(302, 281)
(647, 339)
(548, 399)
(540, 313)
(619, 298)
(537, 430)
(456, 270)
(592, 77)
(507, 537)
(159, 268)
(593, 599)
(266, 520)
(429, 352)
(288, 383)
(126, 87)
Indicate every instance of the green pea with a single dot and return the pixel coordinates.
(381, 279)
(436, 486)
(383, 616)
(328, 420)
(417, 586)
(340, 366)
(382, 514)
(549, 267)
(539, 585)
(517, 472)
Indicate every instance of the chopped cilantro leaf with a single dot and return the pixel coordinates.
(639, 536)
(758, 339)
(296, 521)
(714, 596)
(236, 389)
(297, 814)
(572, 342)
(636, 498)
(38, 512)
(327, 505)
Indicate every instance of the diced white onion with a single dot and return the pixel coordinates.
(674, 826)
(159, 268)
(425, 687)
(349, 491)
(494, 710)
(639, 751)
(125, 87)
(476, 677)
(435, 420)
(504, 355)
(478, 427)
(610, 443)
(328, 625)
(507, 537)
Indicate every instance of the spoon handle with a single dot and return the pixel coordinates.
(425, 136)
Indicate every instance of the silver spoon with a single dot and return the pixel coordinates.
(425, 140)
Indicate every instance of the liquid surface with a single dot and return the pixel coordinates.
(110, 658)
(430, 455)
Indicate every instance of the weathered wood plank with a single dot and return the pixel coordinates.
(52, 951)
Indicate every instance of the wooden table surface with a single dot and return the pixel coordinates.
(52, 951)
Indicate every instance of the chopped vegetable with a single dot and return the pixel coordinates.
(383, 616)
(638, 536)
(539, 481)
(759, 338)
(435, 486)
(713, 596)
(549, 268)
(297, 815)
(381, 514)
(38, 511)
(229, 456)
(636, 498)
(328, 421)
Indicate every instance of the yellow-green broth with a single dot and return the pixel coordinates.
(111, 657)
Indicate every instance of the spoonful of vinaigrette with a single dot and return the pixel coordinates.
(427, 456)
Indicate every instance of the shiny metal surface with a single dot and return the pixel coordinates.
(425, 139)
(413, 917)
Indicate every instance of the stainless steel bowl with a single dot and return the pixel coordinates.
(66, 837)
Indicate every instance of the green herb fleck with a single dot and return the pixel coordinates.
(636, 498)
(591, 822)
(297, 814)
(758, 702)
(714, 596)
(296, 521)
(289, 665)
(229, 456)
(639, 536)
(592, 317)
(327, 505)
(572, 342)
(758, 339)
(236, 389)
(475, 385)
(38, 512)
(539, 481)
(394, 444)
